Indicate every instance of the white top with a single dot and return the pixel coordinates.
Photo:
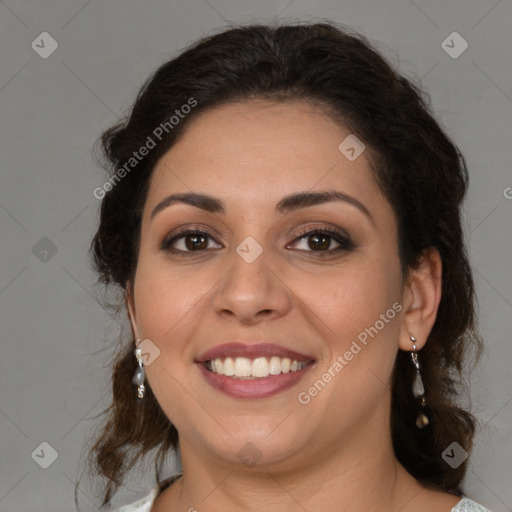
(144, 504)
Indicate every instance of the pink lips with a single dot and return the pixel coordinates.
(257, 387)
(251, 352)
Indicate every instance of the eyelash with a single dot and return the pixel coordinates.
(345, 244)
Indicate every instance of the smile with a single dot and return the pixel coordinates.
(262, 370)
(258, 368)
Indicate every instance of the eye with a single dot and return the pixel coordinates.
(189, 241)
(322, 240)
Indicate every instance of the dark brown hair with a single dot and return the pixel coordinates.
(418, 168)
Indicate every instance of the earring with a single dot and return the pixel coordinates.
(418, 390)
(138, 376)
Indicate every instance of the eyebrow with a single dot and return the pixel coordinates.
(287, 204)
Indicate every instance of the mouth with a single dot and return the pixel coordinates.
(259, 368)
(253, 371)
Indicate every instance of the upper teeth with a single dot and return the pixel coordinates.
(259, 367)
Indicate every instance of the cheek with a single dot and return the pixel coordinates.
(165, 297)
(351, 298)
(165, 315)
(362, 311)
(361, 307)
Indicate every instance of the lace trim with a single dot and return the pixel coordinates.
(467, 505)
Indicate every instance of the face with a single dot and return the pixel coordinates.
(296, 291)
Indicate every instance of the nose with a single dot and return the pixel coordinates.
(252, 292)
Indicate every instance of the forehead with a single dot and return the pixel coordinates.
(258, 150)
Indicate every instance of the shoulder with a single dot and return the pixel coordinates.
(467, 505)
(142, 505)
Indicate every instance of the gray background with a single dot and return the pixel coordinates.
(53, 377)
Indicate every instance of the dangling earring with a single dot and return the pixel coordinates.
(138, 376)
(418, 390)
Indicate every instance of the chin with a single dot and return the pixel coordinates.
(258, 445)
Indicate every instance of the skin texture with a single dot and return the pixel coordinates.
(337, 448)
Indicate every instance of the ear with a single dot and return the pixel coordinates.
(421, 297)
(130, 306)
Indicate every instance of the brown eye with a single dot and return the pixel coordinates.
(195, 242)
(323, 241)
(319, 241)
(189, 241)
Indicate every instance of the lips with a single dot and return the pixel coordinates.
(268, 350)
(285, 368)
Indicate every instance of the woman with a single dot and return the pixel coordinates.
(283, 219)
